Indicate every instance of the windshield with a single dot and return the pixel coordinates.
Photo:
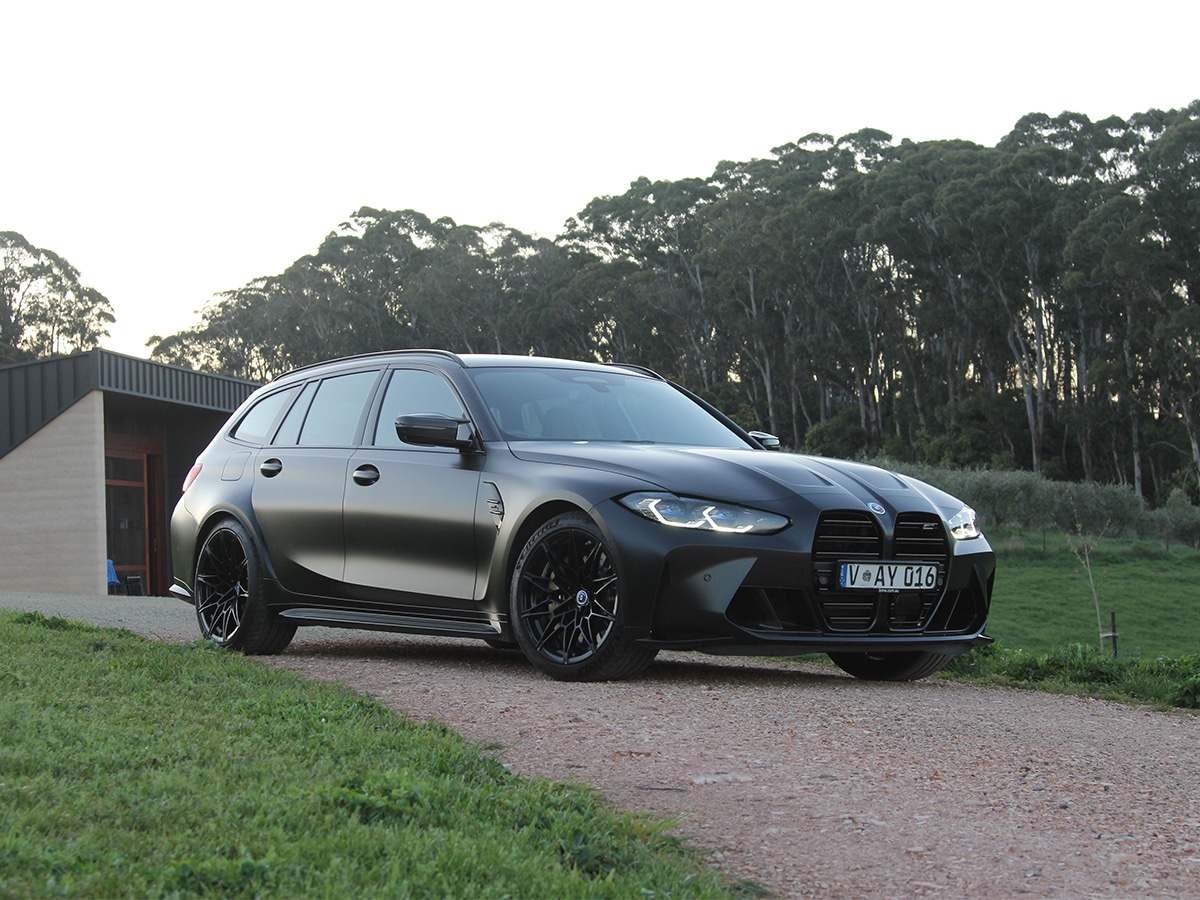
(545, 404)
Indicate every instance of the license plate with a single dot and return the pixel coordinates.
(888, 576)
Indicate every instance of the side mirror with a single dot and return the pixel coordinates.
(436, 430)
(768, 441)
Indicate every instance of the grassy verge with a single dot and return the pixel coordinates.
(1076, 669)
(1043, 599)
(1043, 618)
(135, 768)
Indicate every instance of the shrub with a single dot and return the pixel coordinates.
(1181, 519)
(1028, 500)
(1187, 695)
(1108, 509)
(842, 436)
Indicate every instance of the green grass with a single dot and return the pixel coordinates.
(1043, 618)
(131, 768)
(1043, 601)
(1077, 669)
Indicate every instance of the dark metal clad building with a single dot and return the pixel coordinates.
(94, 448)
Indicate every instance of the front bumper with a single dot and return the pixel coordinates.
(772, 594)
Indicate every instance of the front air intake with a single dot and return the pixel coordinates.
(921, 536)
(848, 535)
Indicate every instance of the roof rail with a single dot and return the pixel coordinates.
(373, 355)
(636, 368)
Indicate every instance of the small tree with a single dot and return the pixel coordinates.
(1181, 520)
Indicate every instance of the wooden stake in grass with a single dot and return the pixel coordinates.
(1082, 546)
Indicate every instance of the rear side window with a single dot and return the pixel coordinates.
(333, 417)
(257, 424)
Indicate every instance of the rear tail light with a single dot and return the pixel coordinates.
(191, 476)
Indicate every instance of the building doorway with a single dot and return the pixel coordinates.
(134, 504)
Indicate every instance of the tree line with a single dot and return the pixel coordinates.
(1033, 305)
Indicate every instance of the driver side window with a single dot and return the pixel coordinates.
(411, 392)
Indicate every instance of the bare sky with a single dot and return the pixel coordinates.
(172, 151)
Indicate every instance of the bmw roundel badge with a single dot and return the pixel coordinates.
(877, 508)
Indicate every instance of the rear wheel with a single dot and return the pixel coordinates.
(230, 606)
(908, 666)
(566, 609)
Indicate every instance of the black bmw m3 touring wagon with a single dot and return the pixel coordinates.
(589, 515)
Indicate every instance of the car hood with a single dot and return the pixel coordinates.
(746, 476)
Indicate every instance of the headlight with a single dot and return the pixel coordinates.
(962, 524)
(703, 515)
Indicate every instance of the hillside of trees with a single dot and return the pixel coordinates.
(1033, 305)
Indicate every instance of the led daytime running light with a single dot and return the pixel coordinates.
(704, 515)
(706, 519)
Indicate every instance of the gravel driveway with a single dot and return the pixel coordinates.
(798, 777)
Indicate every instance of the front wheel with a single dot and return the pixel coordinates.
(565, 605)
(230, 607)
(908, 666)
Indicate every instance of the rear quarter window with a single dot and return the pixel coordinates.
(258, 424)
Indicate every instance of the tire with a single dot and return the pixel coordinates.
(565, 605)
(907, 666)
(230, 606)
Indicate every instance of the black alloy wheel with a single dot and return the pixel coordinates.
(566, 605)
(230, 607)
(906, 666)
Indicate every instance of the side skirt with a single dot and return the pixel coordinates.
(371, 621)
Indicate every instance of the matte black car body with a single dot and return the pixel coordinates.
(462, 528)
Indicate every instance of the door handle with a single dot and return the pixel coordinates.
(270, 468)
(365, 475)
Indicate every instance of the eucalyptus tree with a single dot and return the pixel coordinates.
(1002, 224)
(383, 279)
(1082, 162)
(1107, 313)
(456, 291)
(746, 286)
(946, 356)
(842, 273)
(439, 283)
(530, 271)
(44, 308)
(1106, 282)
(603, 311)
(1169, 178)
(361, 274)
(346, 298)
(240, 333)
(657, 226)
(793, 271)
